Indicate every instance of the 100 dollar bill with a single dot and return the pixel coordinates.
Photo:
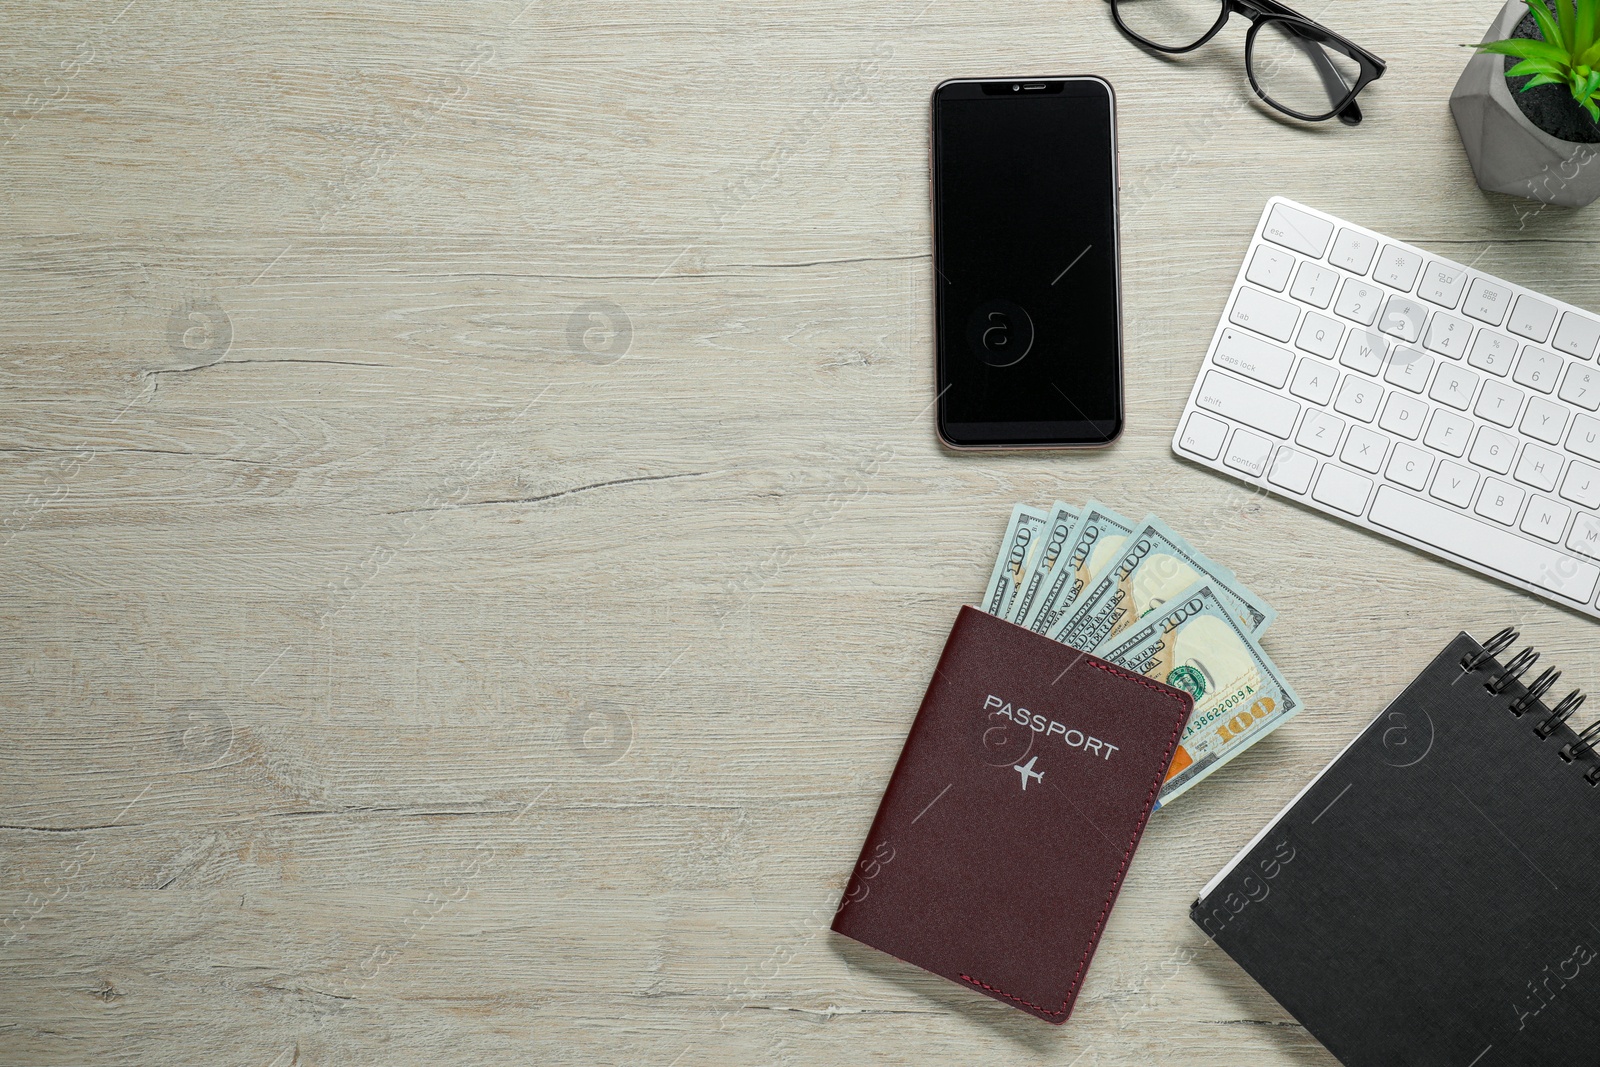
(1017, 549)
(1156, 564)
(1196, 643)
(1063, 517)
(1093, 542)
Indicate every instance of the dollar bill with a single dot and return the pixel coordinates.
(1023, 534)
(1093, 542)
(1062, 519)
(1197, 643)
(1155, 565)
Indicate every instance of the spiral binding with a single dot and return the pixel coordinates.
(1584, 745)
(1563, 711)
(1491, 648)
(1512, 671)
(1541, 685)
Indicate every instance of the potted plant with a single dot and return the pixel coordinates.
(1527, 106)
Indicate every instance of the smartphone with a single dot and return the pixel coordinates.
(1028, 304)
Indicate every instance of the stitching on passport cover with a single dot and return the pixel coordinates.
(1127, 856)
(1141, 679)
(1009, 996)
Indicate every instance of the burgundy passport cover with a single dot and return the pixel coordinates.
(1012, 815)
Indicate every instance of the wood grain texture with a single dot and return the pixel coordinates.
(474, 536)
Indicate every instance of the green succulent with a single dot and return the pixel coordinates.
(1569, 54)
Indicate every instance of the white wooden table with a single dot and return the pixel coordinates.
(474, 537)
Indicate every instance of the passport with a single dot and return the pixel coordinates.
(1012, 815)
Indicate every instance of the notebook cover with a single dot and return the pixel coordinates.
(1430, 897)
(1013, 812)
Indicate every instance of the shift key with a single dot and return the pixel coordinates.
(1242, 402)
(1264, 314)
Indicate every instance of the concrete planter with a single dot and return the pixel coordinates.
(1508, 153)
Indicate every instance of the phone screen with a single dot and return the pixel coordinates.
(1028, 306)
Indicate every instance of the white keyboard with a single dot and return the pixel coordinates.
(1403, 392)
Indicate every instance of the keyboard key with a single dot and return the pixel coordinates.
(1447, 335)
(1409, 466)
(1582, 485)
(1403, 415)
(1538, 369)
(1248, 452)
(1454, 385)
(1577, 335)
(1358, 398)
(1486, 546)
(1364, 351)
(1264, 314)
(1293, 228)
(1539, 467)
(1353, 251)
(1493, 450)
(1492, 352)
(1203, 435)
(1319, 335)
(1448, 433)
(1359, 300)
(1582, 386)
(1248, 404)
(1546, 519)
(1313, 381)
(1486, 301)
(1253, 358)
(1443, 284)
(1454, 484)
(1339, 488)
(1398, 267)
(1531, 318)
(1499, 403)
(1408, 369)
(1314, 284)
(1364, 449)
(1499, 501)
(1544, 421)
(1584, 440)
(1320, 432)
(1270, 267)
(1585, 536)
(1403, 318)
(1292, 470)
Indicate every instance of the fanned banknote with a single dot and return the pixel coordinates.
(1155, 565)
(1024, 535)
(1196, 643)
(1141, 596)
(1092, 543)
(1062, 519)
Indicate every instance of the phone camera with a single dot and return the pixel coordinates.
(1014, 88)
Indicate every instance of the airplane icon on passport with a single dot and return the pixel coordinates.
(1028, 772)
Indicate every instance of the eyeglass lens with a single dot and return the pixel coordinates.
(1299, 73)
(1169, 23)
(1293, 68)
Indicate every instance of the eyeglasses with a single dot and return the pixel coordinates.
(1298, 66)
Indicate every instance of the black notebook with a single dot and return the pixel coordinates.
(1431, 897)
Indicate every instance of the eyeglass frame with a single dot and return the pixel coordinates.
(1260, 13)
